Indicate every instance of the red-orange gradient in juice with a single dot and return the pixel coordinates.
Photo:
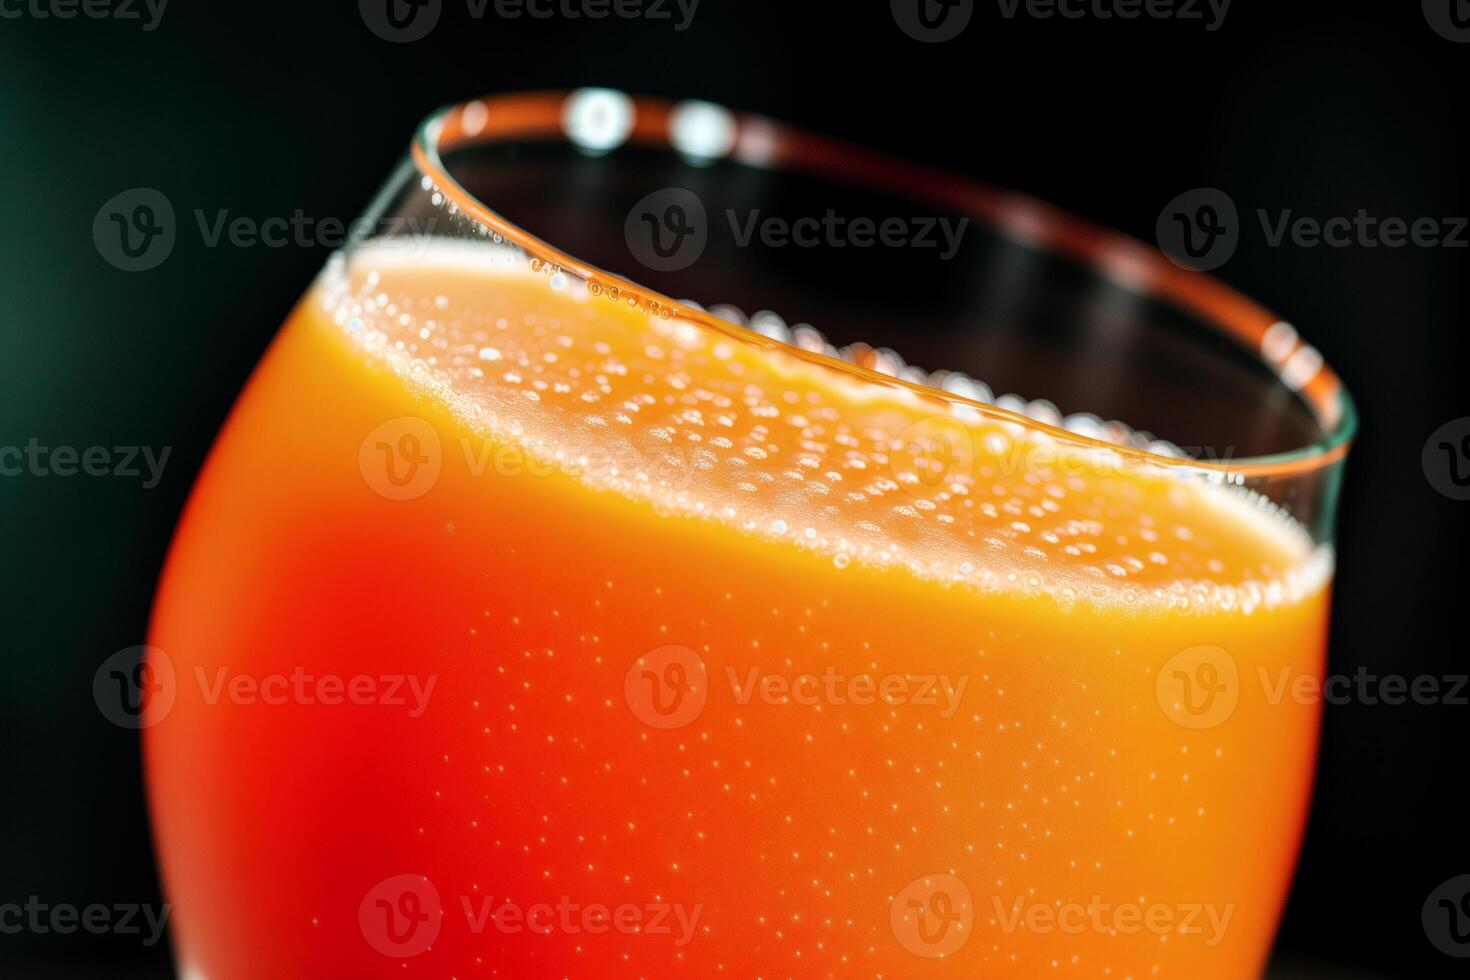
(518, 633)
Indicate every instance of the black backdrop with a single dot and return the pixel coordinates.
(1325, 108)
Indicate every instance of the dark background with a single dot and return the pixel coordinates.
(1324, 108)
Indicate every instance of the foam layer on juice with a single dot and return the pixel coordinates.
(732, 428)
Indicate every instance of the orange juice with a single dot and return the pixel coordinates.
(515, 632)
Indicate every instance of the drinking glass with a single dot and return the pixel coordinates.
(529, 621)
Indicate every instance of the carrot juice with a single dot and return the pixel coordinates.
(512, 631)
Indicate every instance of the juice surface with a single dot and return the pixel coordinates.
(687, 657)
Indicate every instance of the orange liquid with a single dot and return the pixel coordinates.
(706, 635)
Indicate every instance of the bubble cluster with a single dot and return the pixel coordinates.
(738, 427)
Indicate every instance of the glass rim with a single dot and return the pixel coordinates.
(599, 120)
